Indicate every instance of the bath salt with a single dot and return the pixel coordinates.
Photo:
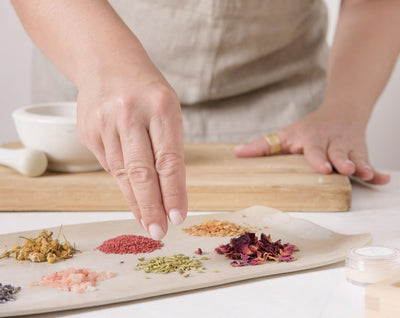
(73, 280)
(130, 244)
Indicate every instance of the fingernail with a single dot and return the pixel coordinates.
(144, 225)
(328, 165)
(156, 231)
(369, 173)
(239, 147)
(175, 216)
(350, 162)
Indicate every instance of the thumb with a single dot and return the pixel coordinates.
(258, 148)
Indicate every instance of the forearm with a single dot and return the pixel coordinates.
(364, 52)
(82, 38)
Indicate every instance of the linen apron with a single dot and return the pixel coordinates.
(241, 68)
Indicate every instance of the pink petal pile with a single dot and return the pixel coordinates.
(247, 249)
(73, 280)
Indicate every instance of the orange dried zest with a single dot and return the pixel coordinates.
(216, 228)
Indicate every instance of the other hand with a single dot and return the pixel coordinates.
(328, 140)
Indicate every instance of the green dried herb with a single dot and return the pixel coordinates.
(167, 264)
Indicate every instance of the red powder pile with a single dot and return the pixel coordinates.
(129, 244)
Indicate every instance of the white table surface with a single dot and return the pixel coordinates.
(319, 293)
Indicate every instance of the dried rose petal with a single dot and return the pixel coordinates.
(198, 251)
(247, 249)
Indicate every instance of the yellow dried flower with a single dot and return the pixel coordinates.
(42, 248)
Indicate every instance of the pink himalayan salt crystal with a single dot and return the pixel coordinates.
(75, 280)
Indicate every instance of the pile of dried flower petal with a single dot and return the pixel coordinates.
(75, 280)
(167, 264)
(7, 293)
(41, 249)
(249, 250)
(215, 228)
(199, 251)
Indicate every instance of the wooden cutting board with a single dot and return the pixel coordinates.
(318, 247)
(216, 181)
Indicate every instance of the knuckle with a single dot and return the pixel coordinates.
(124, 104)
(119, 104)
(149, 210)
(164, 100)
(101, 118)
(139, 173)
(168, 163)
(317, 149)
(126, 112)
(172, 196)
(117, 172)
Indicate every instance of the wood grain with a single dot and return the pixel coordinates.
(216, 181)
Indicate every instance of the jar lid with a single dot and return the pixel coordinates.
(373, 258)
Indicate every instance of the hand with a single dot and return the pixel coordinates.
(328, 140)
(133, 125)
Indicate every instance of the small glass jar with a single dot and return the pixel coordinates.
(371, 264)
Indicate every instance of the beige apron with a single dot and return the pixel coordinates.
(241, 68)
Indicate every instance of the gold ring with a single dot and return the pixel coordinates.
(274, 143)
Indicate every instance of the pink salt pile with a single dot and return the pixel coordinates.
(75, 280)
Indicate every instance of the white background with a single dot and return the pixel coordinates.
(15, 52)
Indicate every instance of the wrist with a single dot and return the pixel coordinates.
(109, 65)
(118, 72)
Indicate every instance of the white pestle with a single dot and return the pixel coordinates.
(29, 162)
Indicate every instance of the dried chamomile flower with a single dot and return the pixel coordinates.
(41, 249)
